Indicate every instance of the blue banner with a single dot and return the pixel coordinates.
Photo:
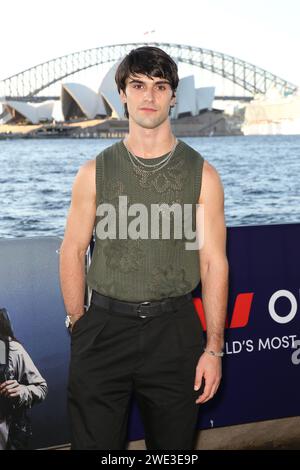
(261, 377)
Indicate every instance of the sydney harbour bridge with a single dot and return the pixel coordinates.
(32, 84)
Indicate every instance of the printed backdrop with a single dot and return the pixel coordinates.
(261, 378)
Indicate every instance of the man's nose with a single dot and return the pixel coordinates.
(149, 94)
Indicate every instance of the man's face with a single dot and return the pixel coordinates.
(148, 100)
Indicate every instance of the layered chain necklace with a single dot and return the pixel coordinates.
(153, 166)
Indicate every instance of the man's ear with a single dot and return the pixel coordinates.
(123, 97)
(173, 101)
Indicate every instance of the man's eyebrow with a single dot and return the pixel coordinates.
(159, 82)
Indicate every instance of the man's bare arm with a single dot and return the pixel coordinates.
(214, 280)
(78, 232)
(213, 259)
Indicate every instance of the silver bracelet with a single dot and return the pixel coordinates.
(213, 353)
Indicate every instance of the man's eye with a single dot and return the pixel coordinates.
(137, 85)
(161, 87)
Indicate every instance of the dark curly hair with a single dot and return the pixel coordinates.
(149, 61)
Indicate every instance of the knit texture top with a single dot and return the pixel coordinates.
(135, 262)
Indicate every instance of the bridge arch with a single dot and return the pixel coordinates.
(253, 79)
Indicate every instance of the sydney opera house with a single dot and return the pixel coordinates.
(79, 102)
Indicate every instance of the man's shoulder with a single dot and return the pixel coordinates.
(88, 165)
(190, 151)
(107, 152)
(211, 181)
(85, 178)
(210, 172)
(87, 169)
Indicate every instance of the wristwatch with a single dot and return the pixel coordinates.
(68, 321)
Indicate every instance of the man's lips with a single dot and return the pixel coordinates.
(147, 109)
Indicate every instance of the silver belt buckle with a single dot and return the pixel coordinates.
(139, 309)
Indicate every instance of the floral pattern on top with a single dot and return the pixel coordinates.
(170, 178)
(169, 281)
(123, 255)
(113, 189)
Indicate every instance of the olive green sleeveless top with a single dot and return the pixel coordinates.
(144, 263)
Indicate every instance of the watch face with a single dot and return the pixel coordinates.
(68, 321)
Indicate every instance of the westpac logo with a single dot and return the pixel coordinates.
(242, 309)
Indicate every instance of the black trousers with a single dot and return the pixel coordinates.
(154, 358)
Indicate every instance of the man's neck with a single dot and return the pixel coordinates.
(149, 143)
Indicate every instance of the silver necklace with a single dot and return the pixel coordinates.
(153, 166)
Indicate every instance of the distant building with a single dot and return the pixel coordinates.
(20, 111)
(109, 93)
(80, 101)
(272, 114)
(190, 101)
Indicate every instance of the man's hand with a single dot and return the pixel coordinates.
(74, 319)
(11, 389)
(209, 368)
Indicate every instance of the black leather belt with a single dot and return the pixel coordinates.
(140, 309)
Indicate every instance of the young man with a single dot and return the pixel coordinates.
(141, 333)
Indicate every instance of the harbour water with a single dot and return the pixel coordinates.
(260, 175)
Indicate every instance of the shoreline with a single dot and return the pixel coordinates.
(209, 123)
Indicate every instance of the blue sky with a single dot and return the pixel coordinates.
(264, 32)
